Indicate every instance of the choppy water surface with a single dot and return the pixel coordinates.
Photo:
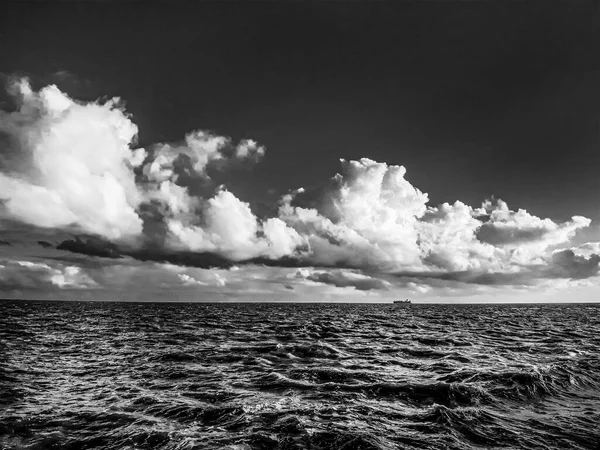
(290, 376)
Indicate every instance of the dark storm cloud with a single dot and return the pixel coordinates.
(101, 248)
(98, 247)
(4, 243)
(470, 277)
(286, 261)
(45, 244)
(91, 246)
(201, 260)
(566, 264)
(11, 280)
(492, 234)
(340, 278)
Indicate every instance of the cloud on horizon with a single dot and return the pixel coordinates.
(74, 166)
(343, 278)
(16, 275)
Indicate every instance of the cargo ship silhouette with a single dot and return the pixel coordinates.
(402, 302)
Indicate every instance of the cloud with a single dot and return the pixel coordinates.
(567, 264)
(418, 288)
(561, 264)
(105, 249)
(506, 228)
(188, 280)
(366, 218)
(370, 217)
(71, 165)
(343, 278)
(448, 240)
(587, 249)
(199, 149)
(90, 246)
(129, 279)
(221, 281)
(112, 279)
(40, 276)
(72, 277)
(230, 229)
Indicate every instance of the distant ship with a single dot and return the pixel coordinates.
(402, 302)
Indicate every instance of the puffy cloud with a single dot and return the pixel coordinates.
(587, 249)
(189, 280)
(199, 149)
(231, 229)
(527, 235)
(249, 149)
(69, 164)
(448, 241)
(174, 200)
(491, 239)
(72, 277)
(366, 218)
(371, 217)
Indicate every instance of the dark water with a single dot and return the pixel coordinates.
(256, 376)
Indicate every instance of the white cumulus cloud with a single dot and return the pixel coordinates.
(371, 217)
(69, 163)
(231, 229)
(73, 165)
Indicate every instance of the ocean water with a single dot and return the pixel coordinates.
(298, 376)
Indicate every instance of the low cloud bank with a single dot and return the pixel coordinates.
(74, 166)
(343, 278)
(41, 276)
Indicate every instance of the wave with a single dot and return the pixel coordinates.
(175, 377)
(535, 382)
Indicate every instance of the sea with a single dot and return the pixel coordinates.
(100, 375)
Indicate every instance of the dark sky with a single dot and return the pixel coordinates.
(474, 97)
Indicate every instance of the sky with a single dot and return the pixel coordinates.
(445, 151)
